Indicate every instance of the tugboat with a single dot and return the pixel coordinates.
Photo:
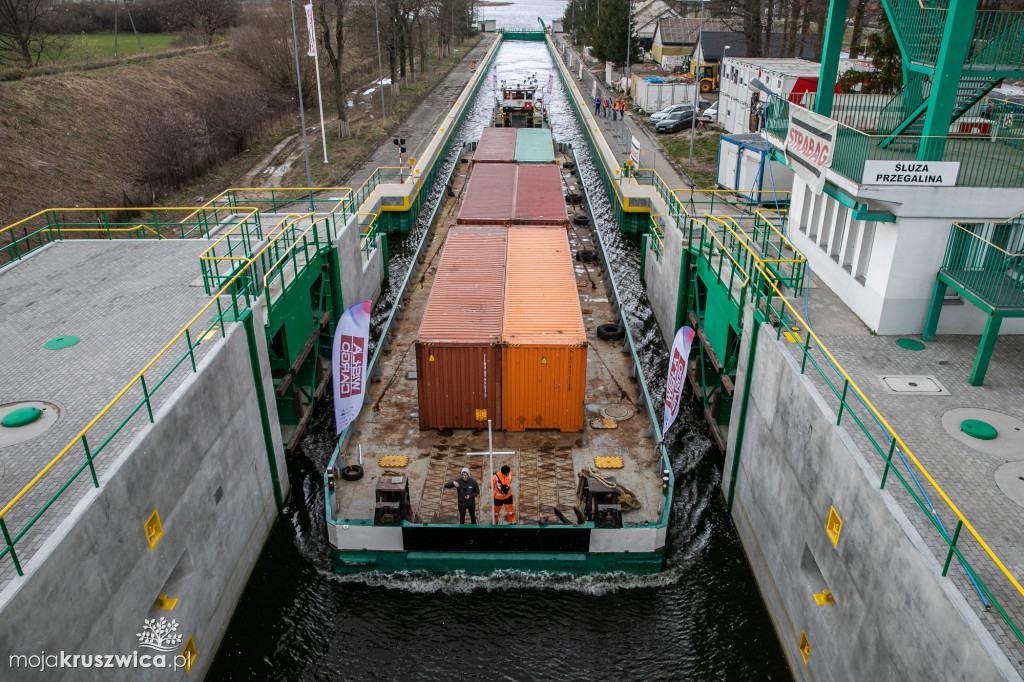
(518, 106)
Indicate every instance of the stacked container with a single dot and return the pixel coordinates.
(496, 145)
(534, 145)
(458, 359)
(490, 195)
(500, 194)
(540, 199)
(544, 343)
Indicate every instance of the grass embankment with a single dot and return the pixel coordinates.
(124, 134)
(366, 125)
(704, 171)
(101, 45)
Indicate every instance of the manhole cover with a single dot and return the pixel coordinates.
(25, 420)
(60, 342)
(1008, 442)
(912, 385)
(617, 412)
(910, 344)
(975, 428)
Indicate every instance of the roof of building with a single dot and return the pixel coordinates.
(676, 31)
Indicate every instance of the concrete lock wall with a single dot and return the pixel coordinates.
(203, 466)
(662, 278)
(904, 622)
(360, 277)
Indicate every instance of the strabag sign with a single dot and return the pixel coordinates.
(911, 173)
(809, 145)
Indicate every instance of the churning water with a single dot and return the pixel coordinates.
(701, 618)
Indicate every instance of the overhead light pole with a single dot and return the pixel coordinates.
(696, 79)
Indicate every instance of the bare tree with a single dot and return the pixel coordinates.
(21, 38)
(331, 16)
(206, 17)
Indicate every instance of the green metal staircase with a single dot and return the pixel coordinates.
(904, 114)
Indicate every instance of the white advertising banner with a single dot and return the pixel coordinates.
(809, 145)
(911, 173)
(349, 357)
(678, 359)
(312, 32)
(634, 150)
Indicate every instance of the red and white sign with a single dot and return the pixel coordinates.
(809, 145)
(349, 356)
(679, 358)
(312, 32)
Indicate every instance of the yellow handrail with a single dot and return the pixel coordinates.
(888, 429)
(223, 290)
(312, 226)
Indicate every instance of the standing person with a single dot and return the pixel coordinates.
(468, 490)
(501, 484)
(597, 105)
(604, 106)
(615, 109)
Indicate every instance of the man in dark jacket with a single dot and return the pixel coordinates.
(468, 491)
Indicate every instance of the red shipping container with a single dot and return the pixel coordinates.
(458, 357)
(540, 197)
(544, 350)
(496, 145)
(490, 195)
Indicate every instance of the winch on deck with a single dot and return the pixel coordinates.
(392, 501)
(599, 497)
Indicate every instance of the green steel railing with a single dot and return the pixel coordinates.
(988, 259)
(56, 224)
(776, 118)
(887, 444)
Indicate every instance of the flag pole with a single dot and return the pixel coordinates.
(316, 63)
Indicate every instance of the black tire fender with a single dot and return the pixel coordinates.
(608, 332)
(581, 219)
(352, 473)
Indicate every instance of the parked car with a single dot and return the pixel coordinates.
(668, 111)
(702, 104)
(677, 121)
(711, 112)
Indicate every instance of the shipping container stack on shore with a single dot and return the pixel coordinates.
(502, 337)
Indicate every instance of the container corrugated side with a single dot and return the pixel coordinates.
(544, 352)
(490, 195)
(540, 197)
(534, 145)
(496, 145)
(458, 359)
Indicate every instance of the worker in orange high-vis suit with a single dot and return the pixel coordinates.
(501, 484)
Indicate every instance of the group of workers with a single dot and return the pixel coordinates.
(618, 106)
(468, 490)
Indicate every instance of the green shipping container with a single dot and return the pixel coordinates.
(534, 145)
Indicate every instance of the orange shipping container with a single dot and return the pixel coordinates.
(458, 359)
(544, 351)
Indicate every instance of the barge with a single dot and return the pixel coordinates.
(506, 347)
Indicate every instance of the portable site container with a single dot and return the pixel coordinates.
(490, 195)
(653, 96)
(540, 197)
(496, 145)
(458, 358)
(534, 145)
(745, 165)
(544, 343)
